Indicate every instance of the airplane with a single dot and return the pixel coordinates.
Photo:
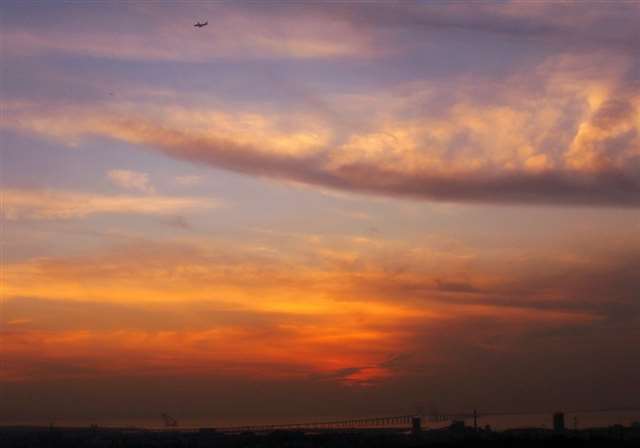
(201, 24)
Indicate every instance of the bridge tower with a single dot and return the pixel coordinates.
(416, 425)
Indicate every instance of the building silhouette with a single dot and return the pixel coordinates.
(558, 422)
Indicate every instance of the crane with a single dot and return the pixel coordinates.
(169, 422)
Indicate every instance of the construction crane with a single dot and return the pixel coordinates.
(169, 422)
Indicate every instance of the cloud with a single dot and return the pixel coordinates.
(188, 180)
(395, 281)
(560, 127)
(61, 204)
(566, 26)
(560, 135)
(177, 222)
(323, 31)
(391, 319)
(202, 338)
(167, 35)
(131, 180)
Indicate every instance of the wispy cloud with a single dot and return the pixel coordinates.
(347, 330)
(579, 146)
(188, 180)
(558, 127)
(166, 34)
(61, 204)
(131, 180)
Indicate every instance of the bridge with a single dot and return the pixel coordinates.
(359, 423)
(398, 422)
(411, 421)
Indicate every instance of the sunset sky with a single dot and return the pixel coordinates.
(309, 210)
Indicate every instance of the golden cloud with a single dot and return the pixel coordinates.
(61, 204)
(337, 316)
(131, 180)
(577, 142)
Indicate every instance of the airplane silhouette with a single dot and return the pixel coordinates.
(201, 24)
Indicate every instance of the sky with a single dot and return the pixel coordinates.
(312, 210)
